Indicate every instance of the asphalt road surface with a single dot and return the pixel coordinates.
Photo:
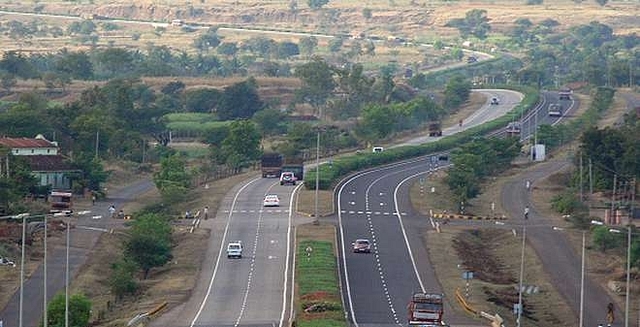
(375, 205)
(82, 241)
(253, 290)
(553, 249)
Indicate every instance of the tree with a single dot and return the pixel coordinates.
(242, 145)
(308, 45)
(149, 243)
(335, 44)
(122, 281)
(228, 49)
(366, 13)
(77, 64)
(207, 41)
(377, 121)
(317, 82)
(240, 100)
(270, 121)
(316, 4)
(79, 311)
(172, 180)
(202, 100)
(456, 92)
(287, 49)
(8, 81)
(475, 23)
(84, 27)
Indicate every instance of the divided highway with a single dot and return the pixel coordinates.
(375, 205)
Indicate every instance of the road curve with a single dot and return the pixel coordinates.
(374, 204)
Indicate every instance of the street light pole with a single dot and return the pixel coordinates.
(44, 305)
(626, 304)
(315, 217)
(24, 236)
(524, 237)
(581, 323)
(66, 284)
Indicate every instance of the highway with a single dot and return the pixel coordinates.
(255, 289)
(375, 205)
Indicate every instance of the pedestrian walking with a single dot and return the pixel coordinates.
(112, 210)
(93, 199)
(527, 184)
(206, 212)
(526, 212)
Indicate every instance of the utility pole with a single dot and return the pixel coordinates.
(590, 179)
(581, 183)
(97, 142)
(613, 195)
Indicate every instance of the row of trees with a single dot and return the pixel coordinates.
(475, 161)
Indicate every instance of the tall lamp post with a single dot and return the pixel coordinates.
(582, 269)
(315, 216)
(524, 238)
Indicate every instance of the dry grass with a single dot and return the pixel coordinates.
(173, 282)
(306, 203)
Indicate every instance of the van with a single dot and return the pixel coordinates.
(377, 149)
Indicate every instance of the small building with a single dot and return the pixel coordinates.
(47, 165)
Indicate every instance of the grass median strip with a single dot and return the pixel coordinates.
(318, 299)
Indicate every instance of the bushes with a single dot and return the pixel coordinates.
(340, 167)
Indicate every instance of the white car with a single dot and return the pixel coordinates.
(234, 249)
(271, 200)
(6, 262)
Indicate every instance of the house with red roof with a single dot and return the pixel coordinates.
(47, 165)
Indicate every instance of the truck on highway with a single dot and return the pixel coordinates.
(294, 165)
(426, 309)
(271, 164)
(60, 201)
(564, 94)
(435, 129)
(554, 110)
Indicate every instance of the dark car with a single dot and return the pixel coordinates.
(361, 245)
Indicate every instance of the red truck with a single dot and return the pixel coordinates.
(426, 310)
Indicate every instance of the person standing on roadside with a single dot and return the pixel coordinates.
(206, 212)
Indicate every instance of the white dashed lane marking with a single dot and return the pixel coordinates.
(373, 213)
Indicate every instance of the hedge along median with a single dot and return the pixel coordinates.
(331, 173)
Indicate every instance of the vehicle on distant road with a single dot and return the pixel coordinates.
(361, 245)
(61, 201)
(564, 94)
(6, 262)
(426, 309)
(495, 101)
(377, 149)
(234, 249)
(513, 128)
(435, 129)
(271, 200)
(555, 110)
(288, 177)
(271, 164)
